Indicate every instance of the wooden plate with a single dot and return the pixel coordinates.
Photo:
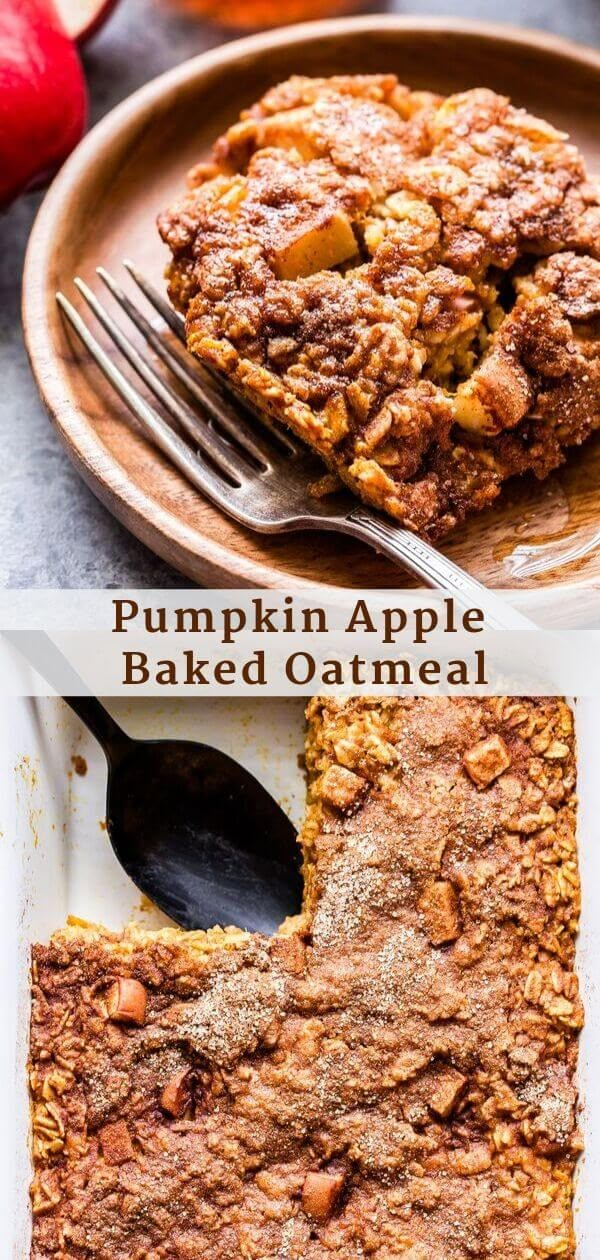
(103, 205)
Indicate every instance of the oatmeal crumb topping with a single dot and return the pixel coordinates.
(410, 282)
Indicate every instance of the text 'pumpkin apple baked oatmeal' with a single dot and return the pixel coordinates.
(411, 283)
(392, 1075)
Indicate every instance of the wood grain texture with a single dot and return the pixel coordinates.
(103, 207)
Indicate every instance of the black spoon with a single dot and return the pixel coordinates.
(195, 831)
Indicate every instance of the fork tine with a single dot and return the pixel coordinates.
(178, 451)
(171, 317)
(224, 386)
(228, 459)
(218, 408)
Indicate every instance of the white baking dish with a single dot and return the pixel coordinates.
(55, 860)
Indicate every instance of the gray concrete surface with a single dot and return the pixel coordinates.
(53, 532)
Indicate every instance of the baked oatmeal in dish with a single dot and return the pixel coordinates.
(392, 1075)
(410, 282)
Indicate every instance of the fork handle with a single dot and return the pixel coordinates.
(433, 568)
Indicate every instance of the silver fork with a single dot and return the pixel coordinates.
(254, 471)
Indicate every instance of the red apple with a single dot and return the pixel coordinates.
(82, 18)
(42, 95)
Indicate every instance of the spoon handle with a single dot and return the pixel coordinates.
(47, 659)
(111, 737)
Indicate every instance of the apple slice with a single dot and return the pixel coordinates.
(82, 18)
